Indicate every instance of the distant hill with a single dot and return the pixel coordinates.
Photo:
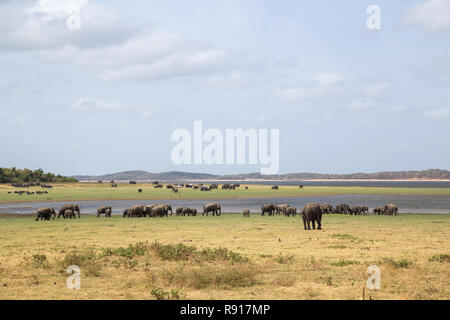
(140, 175)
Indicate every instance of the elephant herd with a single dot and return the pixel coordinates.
(311, 213)
(68, 211)
(137, 211)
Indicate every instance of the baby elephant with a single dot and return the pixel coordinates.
(246, 213)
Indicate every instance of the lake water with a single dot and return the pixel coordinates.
(434, 204)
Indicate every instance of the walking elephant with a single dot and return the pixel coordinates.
(212, 207)
(106, 210)
(269, 208)
(45, 214)
(290, 211)
(391, 209)
(73, 207)
(281, 208)
(311, 213)
(246, 213)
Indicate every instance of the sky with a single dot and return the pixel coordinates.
(106, 97)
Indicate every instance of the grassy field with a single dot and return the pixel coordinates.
(94, 191)
(226, 257)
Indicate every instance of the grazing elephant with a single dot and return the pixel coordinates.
(391, 209)
(269, 208)
(246, 213)
(326, 208)
(212, 207)
(290, 211)
(45, 214)
(72, 207)
(126, 213)
(274, 187)
(311, 213)
(104, 210)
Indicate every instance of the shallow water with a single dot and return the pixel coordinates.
(433, 204)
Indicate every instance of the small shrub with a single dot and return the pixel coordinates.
(138, 249)
(161, 294)
(39, 261)
(173, 252)
(344, 237)
(402, 263)
(440, 258)
(343, 263)
(87, 261)
(284, 259)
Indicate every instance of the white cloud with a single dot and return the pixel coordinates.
(438, 113)
(19, 120)
(376, 89)
(361, 104)
(328, 79)
(432, 15)
(88, 104)
(146, 56)
(323, 85)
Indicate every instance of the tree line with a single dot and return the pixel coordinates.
(13, 175)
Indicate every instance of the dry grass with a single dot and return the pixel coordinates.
(225, 257)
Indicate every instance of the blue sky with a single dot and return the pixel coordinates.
(107, 97)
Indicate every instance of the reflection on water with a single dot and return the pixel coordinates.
(436, 204)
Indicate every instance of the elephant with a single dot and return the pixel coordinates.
(189, 212)
(126, 213)
(45, 214)
(326, 208)
(356, 210)
(342, 208)
(212, 207)
(136, 211)
(179, 210)
(364, 210)
(378, 210)
(269, 208)
(160, 210)
(275, 187)
(169, 208)
(69, 214)
(290, 211)
(281, 208)
(391, 209)
(246, 213)
(311, 213)
(104, 210)
(148, 210)
(73, 207)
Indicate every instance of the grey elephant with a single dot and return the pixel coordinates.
(212, 207)
(343, 208)
(378, 210)
(45, 214)
(136, 211)
(179, 210)
(73, 207)
(311, 213)
(326, 208)
(391, 209)
(269, 208)
(246, 213)
(281, 208)
(160, 210)
(290, 211)
(189, 212)
(69, 214)
(356, 210)
(106, 210)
